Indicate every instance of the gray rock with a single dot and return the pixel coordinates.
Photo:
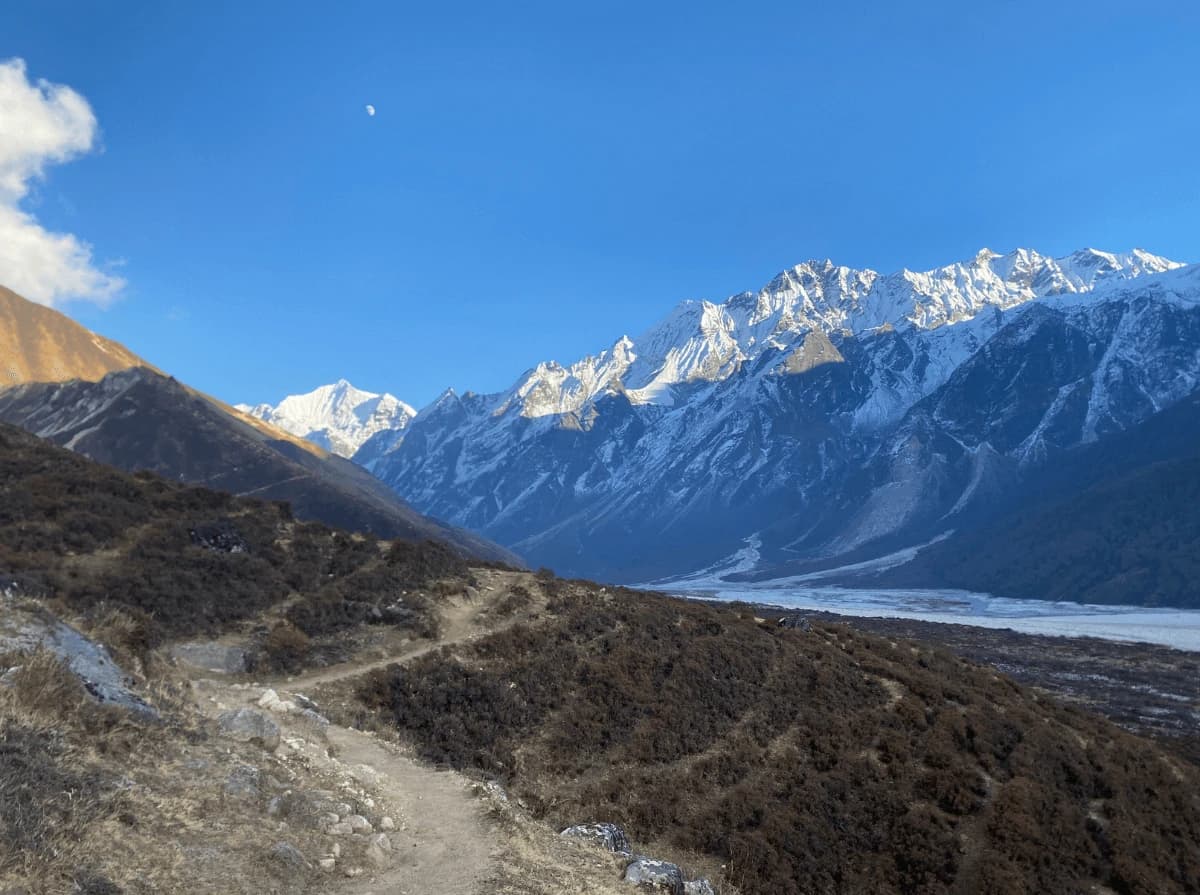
(220, 537)
(288, 855)
(250, 726)
(244, 782)
(378, 856)
(796, 623)
(358, 823)
(656, 876)
(698, 887)
(606, 836)
(307, 809)
(215, 657)
(25, 631)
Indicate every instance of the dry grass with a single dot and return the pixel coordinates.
(53, 792)
(94, 800)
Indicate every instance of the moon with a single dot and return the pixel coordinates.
(371, 111)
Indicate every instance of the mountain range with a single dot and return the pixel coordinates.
(77, 389)
(832, 416)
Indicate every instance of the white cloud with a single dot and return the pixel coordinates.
(42, 124)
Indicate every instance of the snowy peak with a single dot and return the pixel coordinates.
(338, 417)
(704, 341)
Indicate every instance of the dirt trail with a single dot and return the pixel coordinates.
(442, 844)
(458, 622)
(445, 847)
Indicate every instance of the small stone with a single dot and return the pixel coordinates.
(382, 840)
(387, 824)
(243, 782)
(213, 657)
(377, 856)
(287, 854)
(344, 810)
(327, 864)
(328, 821)
(358, 823)
(698, 887)
(336, 851)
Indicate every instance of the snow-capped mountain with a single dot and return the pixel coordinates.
(703, 341)
(833, 413)
(338, 417)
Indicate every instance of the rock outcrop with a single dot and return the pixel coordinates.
(24, 630)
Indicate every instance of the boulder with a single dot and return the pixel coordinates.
(250, 726)
(220, 537)
(655, 876)
(607, 836)
(219, 658)
(796, 623)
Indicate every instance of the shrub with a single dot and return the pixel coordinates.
(782, 755)
(285, 647)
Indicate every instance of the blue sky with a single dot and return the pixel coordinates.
(541, 178)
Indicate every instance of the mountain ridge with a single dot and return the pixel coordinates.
(93, 395)
(769, 415)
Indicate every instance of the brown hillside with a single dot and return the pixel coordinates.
(822, 761)
(80, 390)
(39, 344)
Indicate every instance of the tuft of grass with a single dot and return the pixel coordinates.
(49, 801)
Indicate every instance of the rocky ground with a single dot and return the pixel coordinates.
(213, 780)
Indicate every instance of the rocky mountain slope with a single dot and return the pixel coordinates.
(338, 417)
(96, 397)
(834, 414)
(1113, 518)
